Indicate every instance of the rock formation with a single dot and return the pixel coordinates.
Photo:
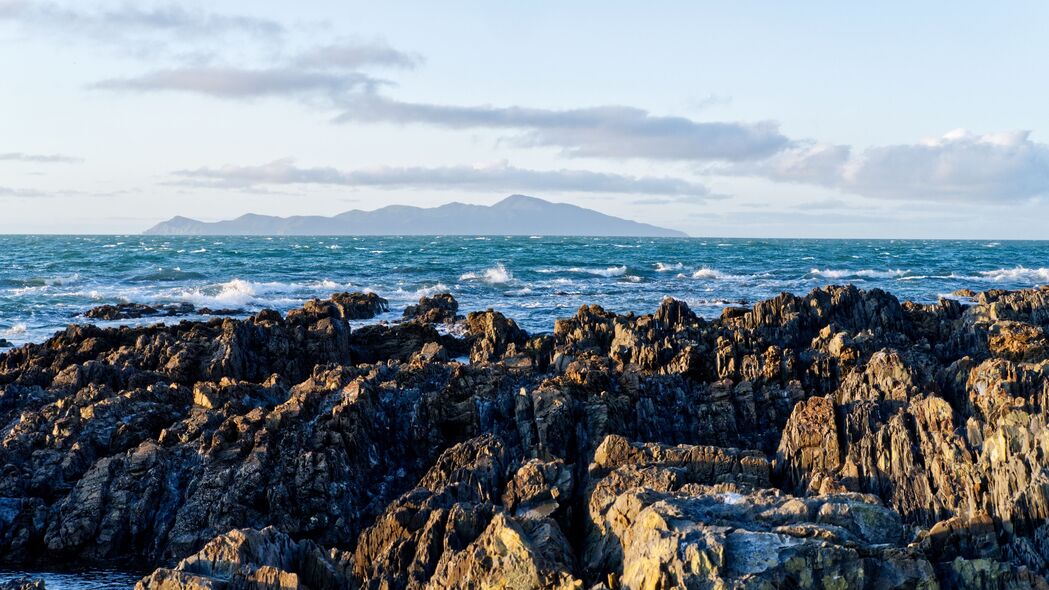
(837, 440)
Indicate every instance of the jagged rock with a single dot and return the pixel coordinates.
(23, 584)
(439, 309)
(910, 447)
(494, 336)
(539, 489)
(526, 555)
(663, 525)
(126, 311)
(251, 559)
(347, 306)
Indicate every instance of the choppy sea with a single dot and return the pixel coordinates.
(47, 282)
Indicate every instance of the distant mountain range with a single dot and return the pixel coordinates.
(514, 215)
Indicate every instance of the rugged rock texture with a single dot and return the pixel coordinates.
(836, 440)
(348, 306)
(439, 309)
(127, 311)
(23, 584)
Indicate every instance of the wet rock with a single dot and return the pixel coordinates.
(221, 311)
(23, 584)
(836, 439)
(347, 306)
(439, 309)
(126, 311)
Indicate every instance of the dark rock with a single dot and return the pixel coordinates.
(23, 584)
(346, 306)
(439, 309)
(224, 311)
(127, 311)
(839, 439)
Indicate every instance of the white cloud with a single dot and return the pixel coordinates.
(958, 167)
(226, 82)
(114, 24)
(604, 131)
(39, 158)
(499, 177)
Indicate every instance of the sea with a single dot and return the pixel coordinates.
(48, 282)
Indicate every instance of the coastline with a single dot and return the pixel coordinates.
(815, 436)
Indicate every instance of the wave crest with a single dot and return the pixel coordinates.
(1019, 273)
(611, 271)
(495, 275)
(866, 273)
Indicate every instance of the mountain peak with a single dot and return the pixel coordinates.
(515, 200)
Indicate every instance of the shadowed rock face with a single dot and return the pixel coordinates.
(836, 440)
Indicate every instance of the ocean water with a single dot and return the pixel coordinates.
(47, 282)
(92, 579)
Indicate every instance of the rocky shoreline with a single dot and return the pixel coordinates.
(838, 440)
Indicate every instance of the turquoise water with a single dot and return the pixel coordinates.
(47, 281)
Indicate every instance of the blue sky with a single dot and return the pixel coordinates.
(815, 119)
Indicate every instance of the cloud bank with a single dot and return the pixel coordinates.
(39, 158)
(488, 178)
(960, 166)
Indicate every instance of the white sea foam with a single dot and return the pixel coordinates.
(495, 275)
(865, 273)
(431, 291)
(1018, 274)
(714, 274)
(611, 271)
(15, 330)
(632, 278)
(667, 267)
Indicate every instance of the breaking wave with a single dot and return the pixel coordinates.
(495, 275)
(866, 273)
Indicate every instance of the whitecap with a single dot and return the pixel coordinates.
(15, 330)
(611, 271)
(495, 275)
(1019, 274)
(665, 267)
(863, 273)
(713, 273)
(198, 251)
(431, 291)
(632, 278)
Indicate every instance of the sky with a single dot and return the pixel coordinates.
(734, 119)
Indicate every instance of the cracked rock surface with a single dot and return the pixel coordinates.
(842, 439)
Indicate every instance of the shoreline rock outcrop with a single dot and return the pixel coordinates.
(837, 439)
